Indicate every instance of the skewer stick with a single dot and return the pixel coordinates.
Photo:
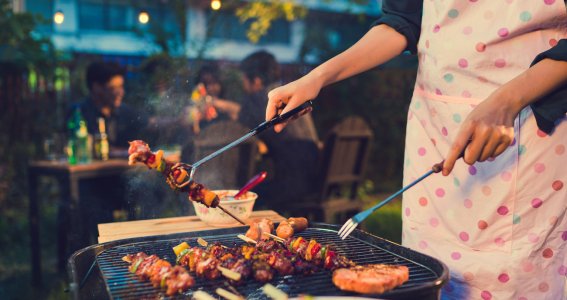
(232, 289)
(273, 292)
(227, 295)
(275, 237)
(246, 239)
(200, 295)
(201, 241)
(230, 214)
(230, 274)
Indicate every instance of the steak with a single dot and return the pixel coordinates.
(370, 279)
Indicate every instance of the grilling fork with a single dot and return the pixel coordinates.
(353, 222)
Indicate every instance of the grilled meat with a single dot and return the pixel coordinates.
(370, 279)
(177, 175)
(174, 279)
(291, 226)
(258, 228)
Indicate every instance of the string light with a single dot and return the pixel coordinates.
(143, 17)
(58, 17)
(216, 4)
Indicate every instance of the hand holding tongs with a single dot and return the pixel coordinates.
(260, 128)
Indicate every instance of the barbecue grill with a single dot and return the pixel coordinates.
(98, 272)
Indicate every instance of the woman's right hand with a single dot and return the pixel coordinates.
(290, 96)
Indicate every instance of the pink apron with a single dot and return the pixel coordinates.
(500, 226)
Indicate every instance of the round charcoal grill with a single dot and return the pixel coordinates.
(98, 272)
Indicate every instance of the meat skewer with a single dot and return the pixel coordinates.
(159, 272)
(177, 175)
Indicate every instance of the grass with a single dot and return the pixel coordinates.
(386, 222)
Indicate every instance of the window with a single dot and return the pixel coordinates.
(113, 15)
(226, 25)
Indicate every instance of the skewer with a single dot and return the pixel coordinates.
(273, 292)
(200, 295)
(246, 239)
(230, 214)
(227, 295)
(201, 241)
(230, 274)
(275, 237)
(232, 289)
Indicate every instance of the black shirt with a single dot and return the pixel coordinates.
(404, 16)
(124, 124)
(293, 152)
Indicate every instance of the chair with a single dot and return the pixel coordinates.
(233, 168)
(344, 157)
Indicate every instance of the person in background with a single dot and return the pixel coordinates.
(491, 84)
(105, 197)
(105, 81)
(209, 102)
(293, 175)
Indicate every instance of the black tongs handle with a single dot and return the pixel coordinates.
(282, 118)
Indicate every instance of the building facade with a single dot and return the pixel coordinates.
(141, 28)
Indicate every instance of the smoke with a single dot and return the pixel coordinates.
(149, 196)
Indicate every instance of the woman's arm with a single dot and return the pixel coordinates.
(489, 128)
(379, 45)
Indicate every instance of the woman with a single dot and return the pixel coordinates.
(499, 222)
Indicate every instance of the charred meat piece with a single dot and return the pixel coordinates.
(177, 175)
(370, 279)
(174, 279)
(258, 228)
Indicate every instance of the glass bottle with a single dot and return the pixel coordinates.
(101, 141)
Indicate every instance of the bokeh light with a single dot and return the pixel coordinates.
(58, 17)
(216, 4)
(143, 17)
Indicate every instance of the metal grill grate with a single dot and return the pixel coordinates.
(361, 247)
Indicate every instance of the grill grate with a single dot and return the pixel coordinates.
(360, 247)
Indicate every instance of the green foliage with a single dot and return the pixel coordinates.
(20, 45)
(264, 13)
(386, 222)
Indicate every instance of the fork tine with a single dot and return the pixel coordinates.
(345, 225)
(349, 231)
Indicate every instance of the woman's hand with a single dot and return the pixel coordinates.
(292, 95)
(487, 131)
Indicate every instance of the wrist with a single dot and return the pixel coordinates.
(511, 99)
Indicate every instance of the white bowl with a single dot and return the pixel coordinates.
(242, 208)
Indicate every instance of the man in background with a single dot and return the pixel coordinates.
(105, 81)
(291, 176)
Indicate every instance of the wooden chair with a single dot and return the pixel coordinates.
(233, 168)
(344, 157)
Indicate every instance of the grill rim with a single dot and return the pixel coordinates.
(423, 260)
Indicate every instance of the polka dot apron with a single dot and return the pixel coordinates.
(500, 225)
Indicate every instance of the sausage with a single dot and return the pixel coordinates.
(284, 230)
(289, 227)
(298, 224)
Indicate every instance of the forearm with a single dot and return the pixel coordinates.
(232, 109)
(377, 46)
(533, 84)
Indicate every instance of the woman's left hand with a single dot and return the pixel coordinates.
(486, 132)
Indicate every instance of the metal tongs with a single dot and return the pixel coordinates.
(260, 128)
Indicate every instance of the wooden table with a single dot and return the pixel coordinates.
(68, 177)
(122, 230)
